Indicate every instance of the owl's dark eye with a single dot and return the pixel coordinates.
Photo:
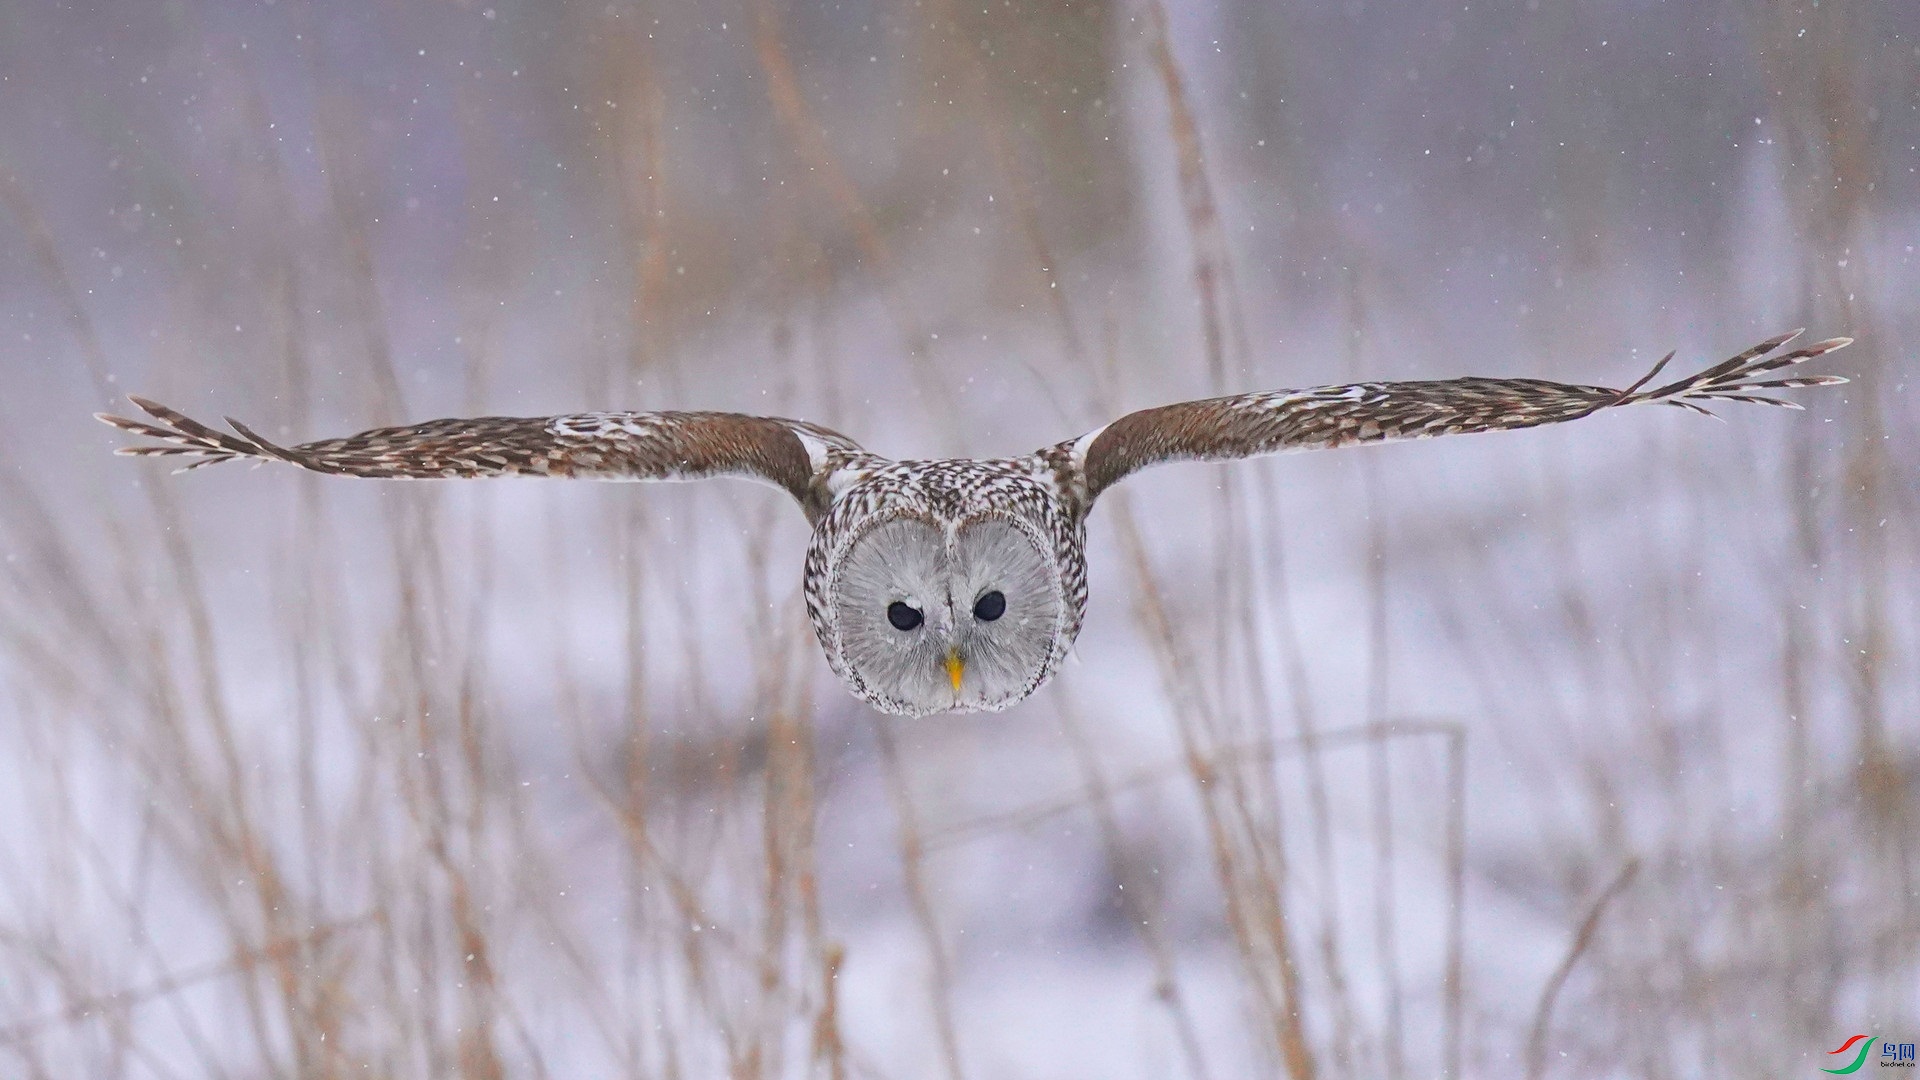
(904, 618)
(990, 607)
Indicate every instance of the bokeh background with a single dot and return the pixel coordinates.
(1586, 751)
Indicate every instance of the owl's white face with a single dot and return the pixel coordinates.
(933, 616)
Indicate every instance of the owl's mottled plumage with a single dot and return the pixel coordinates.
(959, 583)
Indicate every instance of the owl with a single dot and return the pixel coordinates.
(956, 584)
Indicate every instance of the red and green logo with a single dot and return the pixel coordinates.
(1866, 1047)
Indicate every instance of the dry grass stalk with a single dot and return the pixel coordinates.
(822, 166)
(1582, 940)
(913, 874)
(1247, 835)
(1251, 873)
(1098, 797)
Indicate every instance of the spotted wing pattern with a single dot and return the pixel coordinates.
(1248, 425)
(804, 459)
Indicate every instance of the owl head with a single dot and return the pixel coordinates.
(929, 615)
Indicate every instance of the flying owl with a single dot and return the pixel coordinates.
(956, 584)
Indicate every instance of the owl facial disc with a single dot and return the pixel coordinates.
(932, 616)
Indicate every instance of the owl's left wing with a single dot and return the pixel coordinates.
(804, 459)
(1249, 425)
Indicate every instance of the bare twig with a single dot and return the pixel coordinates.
(1582, 939)
(913, 873)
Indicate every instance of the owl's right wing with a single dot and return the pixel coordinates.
(806, 460)
(1279, 421)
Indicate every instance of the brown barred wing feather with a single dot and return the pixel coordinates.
(1249, 425)
(799, 457)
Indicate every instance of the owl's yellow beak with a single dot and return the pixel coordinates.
(955, 668)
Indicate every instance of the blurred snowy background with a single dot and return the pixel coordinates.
(1588, 751)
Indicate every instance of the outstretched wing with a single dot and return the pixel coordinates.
(1248, 425)
(805, 459)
